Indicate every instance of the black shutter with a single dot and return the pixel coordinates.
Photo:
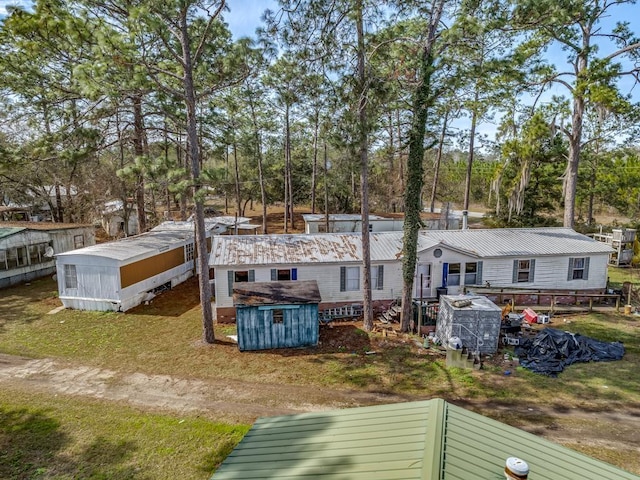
(479, 274)
(252, 275)
(274, 275)
(532, 270)
(343, 279)
(230, 281)
(570, 272)
(380, 285)
(585, 275)
(514, 277)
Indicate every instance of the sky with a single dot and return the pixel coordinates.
(244, 16)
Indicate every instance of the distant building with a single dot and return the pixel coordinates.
(27, 249)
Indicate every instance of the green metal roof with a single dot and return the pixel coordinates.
(429, 440)
(8, 231)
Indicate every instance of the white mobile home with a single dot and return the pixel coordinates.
(122, 274)
(448, 262)
(27, 248)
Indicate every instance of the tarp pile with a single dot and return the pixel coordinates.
(551, 350)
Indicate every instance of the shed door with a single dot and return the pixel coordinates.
(422, 281)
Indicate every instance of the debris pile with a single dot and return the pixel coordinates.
(551, 350)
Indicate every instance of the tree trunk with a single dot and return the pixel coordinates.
(326, 189)
(314, 168)
(421, 101)
(263, 192)
(436, 166)
(138, 148)
(287, 152)
(237, 177)
(367, 310)
(200, 234)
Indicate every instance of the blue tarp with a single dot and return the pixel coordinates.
(551, 350)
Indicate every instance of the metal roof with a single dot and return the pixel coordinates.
(514, 242)
(135, 247)
(8, 231)
(387, 246)
(428, 440)
(302, 248)
(338, 217)
(46, 226)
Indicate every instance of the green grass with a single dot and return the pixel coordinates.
(44, 436)
(86, 439)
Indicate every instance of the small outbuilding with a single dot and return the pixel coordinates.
(277, 314)
(475, 320)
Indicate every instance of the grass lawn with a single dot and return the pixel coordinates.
(90, 439)
(44, 436)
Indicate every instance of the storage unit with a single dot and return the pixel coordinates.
(277, 314)
(477, 323)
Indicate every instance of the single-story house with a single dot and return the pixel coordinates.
(276, 314)
(27, 249)
(426, 440)
(122, 274)
(449, 261)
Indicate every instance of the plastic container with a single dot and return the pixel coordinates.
(516, 469)
(455, 343)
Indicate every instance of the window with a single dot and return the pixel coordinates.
(578, 269)
(78, 241)
(188, 252)
(17, 257)
(349, 279)
(284, 274)
(453, 277)
(4, 264)
(437, 252)
(377, 277)
(70, 277)
(523, 271)
(239, 276)
(473, 273)
(36, 253)
(278, 316)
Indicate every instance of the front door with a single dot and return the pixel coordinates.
(422, 281)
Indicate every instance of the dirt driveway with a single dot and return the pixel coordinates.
(244, 402)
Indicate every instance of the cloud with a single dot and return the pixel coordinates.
(4, 4)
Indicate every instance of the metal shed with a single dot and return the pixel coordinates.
(276, 314)
(474, 319)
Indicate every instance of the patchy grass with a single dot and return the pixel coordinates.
(94, 440)
(44, 436)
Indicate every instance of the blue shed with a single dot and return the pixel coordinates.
(276, 314)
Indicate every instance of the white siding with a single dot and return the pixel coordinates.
(327, 276)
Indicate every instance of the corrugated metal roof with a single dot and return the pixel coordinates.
(132, 248)
(347, 247)
(514, 242)
(276, 293)
(426, 440)
(8, 231)
(296, 249)
(45, 225)
(338, 217)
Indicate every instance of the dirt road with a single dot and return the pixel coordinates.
(244, 402)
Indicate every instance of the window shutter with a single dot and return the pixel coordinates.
(230, 281)
(532, 270)
(479, 274)
(252, 275)
(274, 274)
(570, 272)
(343, 279)
(380, 285)
(514, 276)
(586, 269)
(294, 274)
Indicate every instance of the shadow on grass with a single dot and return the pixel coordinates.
(31, 446)
(16, 303)
(172, 303)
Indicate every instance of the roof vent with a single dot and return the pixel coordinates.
(516, 469)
